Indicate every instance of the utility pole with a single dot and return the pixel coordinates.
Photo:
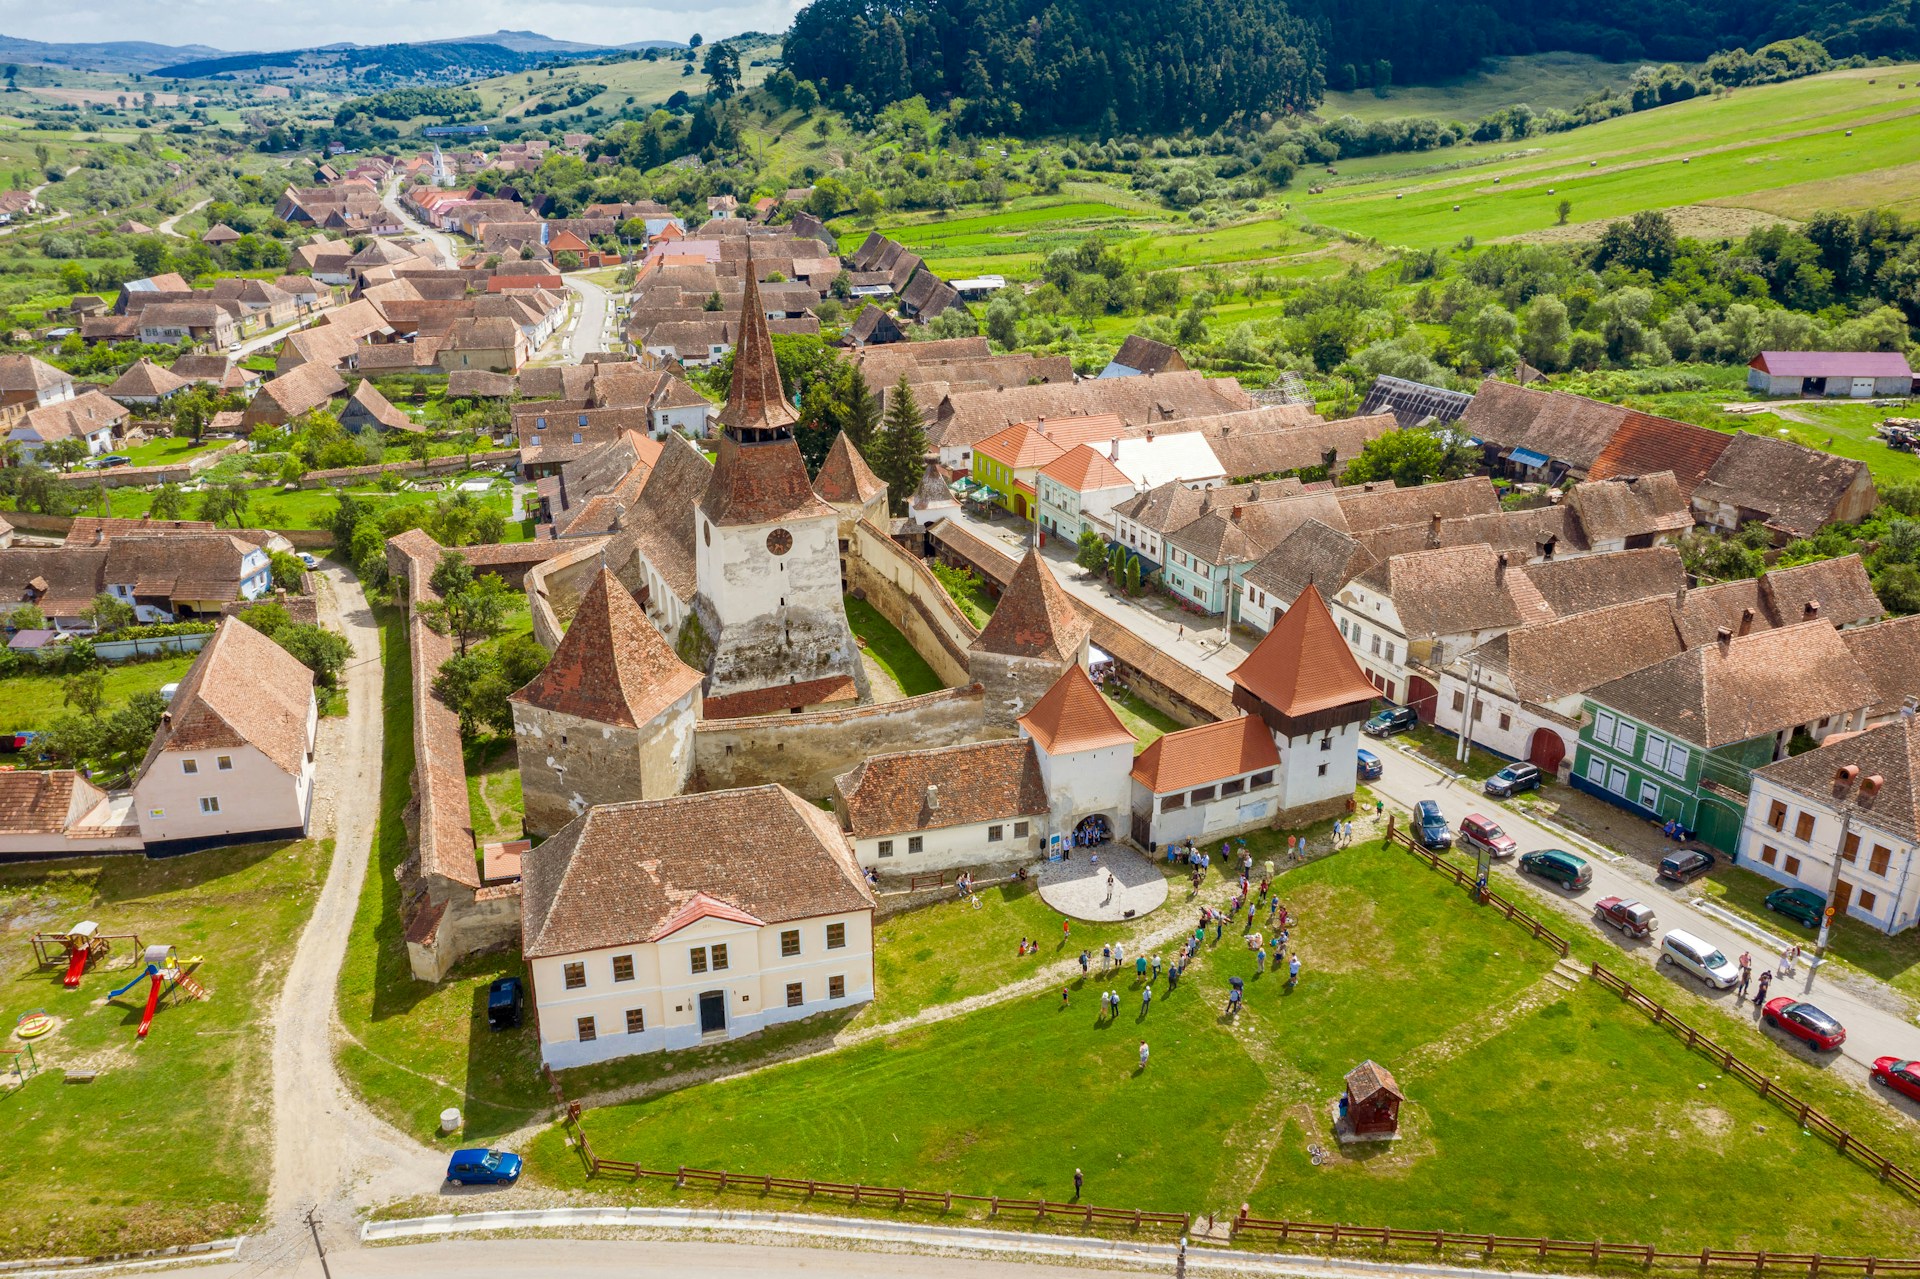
(319, 1247)
(1464, 745)
(1844, 782)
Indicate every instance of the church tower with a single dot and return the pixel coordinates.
(767, 555)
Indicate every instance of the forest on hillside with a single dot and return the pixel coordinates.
(1034, 66)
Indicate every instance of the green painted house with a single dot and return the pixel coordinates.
(1680, 739)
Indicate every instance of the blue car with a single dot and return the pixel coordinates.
(1369, 765)
(1430, 825)
(482, 1167)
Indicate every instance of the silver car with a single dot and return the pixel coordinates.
(1700, 957)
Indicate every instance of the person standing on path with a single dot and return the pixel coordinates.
(1143, 1054)
(1084, 957)
(1746, 978)
(1079, 1183)
(1760, 996)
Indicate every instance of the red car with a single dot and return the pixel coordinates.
(1804, 1021)
(1901, 1076)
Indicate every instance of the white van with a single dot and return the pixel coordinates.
(1701, 958)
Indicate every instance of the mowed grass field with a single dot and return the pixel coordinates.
(171, 1141)
(1531, 1109)
(1541, 80)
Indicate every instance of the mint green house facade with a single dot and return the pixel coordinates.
(1664, 778)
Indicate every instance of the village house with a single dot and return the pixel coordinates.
(30, 383)
(1009, 461)
(1214, 780)
(1680, 740)
(1139, 355)
(233, 760)
(1791, 490)
(57, 811)
(1843, 820)
(1077, 492)
(301, 389)
(145, 382)
(1314, 554)
(201, 323)
(916, 812)
(496, 344)
(367, 409)
(670, 923)
(90, 417)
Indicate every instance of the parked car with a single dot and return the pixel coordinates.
(1477, 831)
(1899, 1074)
(1430, 825)
(482, 1167)
(1633, 918)
(1394, 719)
(1700, 957)
(311, 561)
(1513, 779)
(1804, 1021)
(1369, 767)
(1686, 865)
(1802, 905)
(1558, 865)
(504, 998)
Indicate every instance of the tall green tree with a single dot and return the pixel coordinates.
(226, 503)
(902, 452)
(472, 606)
(863, 413)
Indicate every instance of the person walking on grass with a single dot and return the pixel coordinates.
(1143, 1054)
(1146, 999)
(1156, 968)
(1084, 958)
(1079, 1184)
(1293, 970)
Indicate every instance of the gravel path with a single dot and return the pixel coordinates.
(330, 1152)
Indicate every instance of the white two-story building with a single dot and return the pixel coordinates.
(671, 923)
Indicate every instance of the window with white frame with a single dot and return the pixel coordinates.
(1617, 780)
(1649, 796)
(210, 803)
(1624, 735)
(1655, 751)
(1678, 757)
(1603, 723)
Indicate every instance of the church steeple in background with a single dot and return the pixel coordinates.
(757, 407)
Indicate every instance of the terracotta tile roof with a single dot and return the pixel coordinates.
(1019, 447)
(27, 373)
(1312, 553)
(963, 419)
(660, 525)
(1196, 756)
(1797, 490)
(620, 874)
(1749, 685)
(1304, 665)
(95, 530)
(179, 565)
(35, 802)
(62, 581)
(1840, 590)
(1377, 508)
(1644, 444)
(612, 666)
(1567, 428)
(1452, 591)
(1570, 655)
(780, 698)
(1599, 581)
(367, 401)
(1072, 717)
(1889, 656)
(1144, 355)
(83, 415)
(299, 390)
(1368, 1079)
(478, 384)
(146, 380)
(1247, 452)
(1890, 752)
(948, 786)
(845, 475)
(1541, 532)
(1235, 532)
(242, 690)
(755, 397)
(1631, 506)
(1085, 469)
(1034, 618)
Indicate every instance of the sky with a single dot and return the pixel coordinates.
(294, 24)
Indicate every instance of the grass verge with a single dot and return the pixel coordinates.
(891, 650)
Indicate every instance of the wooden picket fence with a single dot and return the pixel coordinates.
(1466, 880)
(1594, 1252)
(1804, 1114)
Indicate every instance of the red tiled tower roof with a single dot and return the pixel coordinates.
(755, 398)
(845, 475)
(613, 666)
(1304, 665)
(1074, 717)
(1035, 617)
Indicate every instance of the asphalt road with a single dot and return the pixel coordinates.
(590, 326)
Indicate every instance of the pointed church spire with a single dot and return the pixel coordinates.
(757, 406)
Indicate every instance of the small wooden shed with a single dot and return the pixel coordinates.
(1373, 1099)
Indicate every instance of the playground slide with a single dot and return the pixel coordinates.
(76, 966)
(153, 1003)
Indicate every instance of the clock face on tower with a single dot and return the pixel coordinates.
(779, 541)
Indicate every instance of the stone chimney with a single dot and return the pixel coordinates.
(1746, 621)
(1433, 529)
(1500, 570)
(1724, 636)
(1253, 493)
(933, 798)
(1812, 611)
(1234, 515)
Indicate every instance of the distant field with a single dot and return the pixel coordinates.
(1540, 80)
(648, 83)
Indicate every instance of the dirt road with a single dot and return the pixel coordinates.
(330, 1152)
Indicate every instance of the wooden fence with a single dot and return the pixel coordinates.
(1805, 1115)
(1083, 1215)
(1591, 1251)
(1465, 880)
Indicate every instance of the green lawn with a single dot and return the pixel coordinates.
(1531, 1109)
(172, 1140)
(29, 702)
(968, 591)
(493, 789)
(891, 651)
(300, 509)
(1146, 723)
(168, 451)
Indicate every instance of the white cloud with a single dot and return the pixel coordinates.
(290, 24)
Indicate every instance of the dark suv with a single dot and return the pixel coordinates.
(1430, 825)
(1802, 905)
(1686, 865)
(1394, 719)
(1513, 779)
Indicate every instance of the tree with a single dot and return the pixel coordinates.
(1090, 553)
(1645, 242)
(862, 422)
(1133, 574)
(226, 502)
(288, 569)
(85, 690)
(169, 502)
(471, 606)
(62, 454)
(1544, 333)
(902, 451)
(26, 617)
(477, 685)
(1562, 210)
(1412, 457)
(1490, 335)
(722, 66)
(320, 650)
(109, 614)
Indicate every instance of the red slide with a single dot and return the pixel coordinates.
(76, 966)
(153, 1002)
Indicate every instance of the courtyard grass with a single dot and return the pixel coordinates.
(278, 509)
(169, 451)
(891, 651)
(967, 591)
(493, 789)
(171, 1142)
(31, 702)
(1147, 723)
(1394, 958)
